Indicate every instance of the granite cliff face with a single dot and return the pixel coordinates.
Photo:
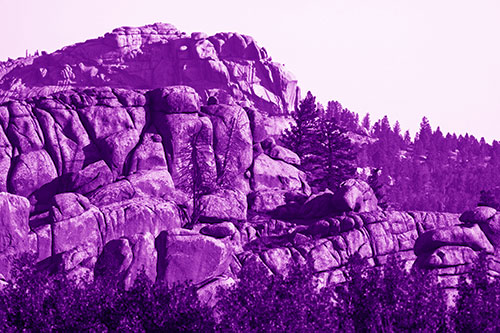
(146, 148)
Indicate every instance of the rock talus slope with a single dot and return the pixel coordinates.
(113, 147)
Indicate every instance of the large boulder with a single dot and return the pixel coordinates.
(232, 144)
(148, 154)
(478, 215)
(175, 99)
(14, 229)
(114, 260)
(125, 258)
(30, 171)
(115, 192)
(284, 154)
(491, 227)
(469, 236)
(188, 144)
(156, 183)
(68, 205)
(139, 215)
(83, 229)
(448, 256)
(89, 179)
(266, 201)
(319, 205)
(184, 255)
(274, 174)
(355, 195)
(223, 205)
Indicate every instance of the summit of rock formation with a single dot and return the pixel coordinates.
(156, 56)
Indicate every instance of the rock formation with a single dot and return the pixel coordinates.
(149, 149)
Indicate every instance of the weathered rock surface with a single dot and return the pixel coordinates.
(273, 174)
(109, 147)
(14, 228)
(184, 255)
(356, 195)
(227, 61)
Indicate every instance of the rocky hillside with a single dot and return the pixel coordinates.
(159, 152)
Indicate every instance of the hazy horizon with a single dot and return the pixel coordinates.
(402, 59)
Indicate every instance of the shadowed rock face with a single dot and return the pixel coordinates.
(108, 148)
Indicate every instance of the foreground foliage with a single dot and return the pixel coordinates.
(374, 299)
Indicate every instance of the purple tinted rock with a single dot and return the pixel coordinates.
(44, 241)
(119, 191)
(76, 263)
(5, 159)
(188, 143)
(116, 148)
(175, 99)
(319, 205)
(491, 228)
(285, 155)
(273, 174)
(355, 195)
(219, 96)
(139, 215)
(31, 171)
(209, 293)
(149, 154)
(114, 260)
(155, 183)
(478, 215)
(67, 140)
(89, 179)
(266, 200)
(129, 97)
(184, 255)
(223, 205)
(144, 257)
(234, 47)
(81, 230)
(447, 256)
(14, 229)
(68, 205)
(232, 144)
(259, 132)
(472, 237)
(219, 230)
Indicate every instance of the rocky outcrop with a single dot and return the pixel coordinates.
(102, 166)
(147, 149)
(452, 250)
(159, 55)
(14, 229)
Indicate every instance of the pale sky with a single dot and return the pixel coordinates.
(402, 58)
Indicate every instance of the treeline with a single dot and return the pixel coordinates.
(431, 171)
(381, 299)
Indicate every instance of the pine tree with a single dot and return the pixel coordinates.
(366, 122)
(334, 156)
(326, 153)
(298, 138)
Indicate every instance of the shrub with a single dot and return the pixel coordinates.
(37, 301)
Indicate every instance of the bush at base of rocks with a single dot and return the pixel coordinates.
(386, 298)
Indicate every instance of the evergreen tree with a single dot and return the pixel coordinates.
(326, 153)
(299, 137)
(334, 156)
(366, 122)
